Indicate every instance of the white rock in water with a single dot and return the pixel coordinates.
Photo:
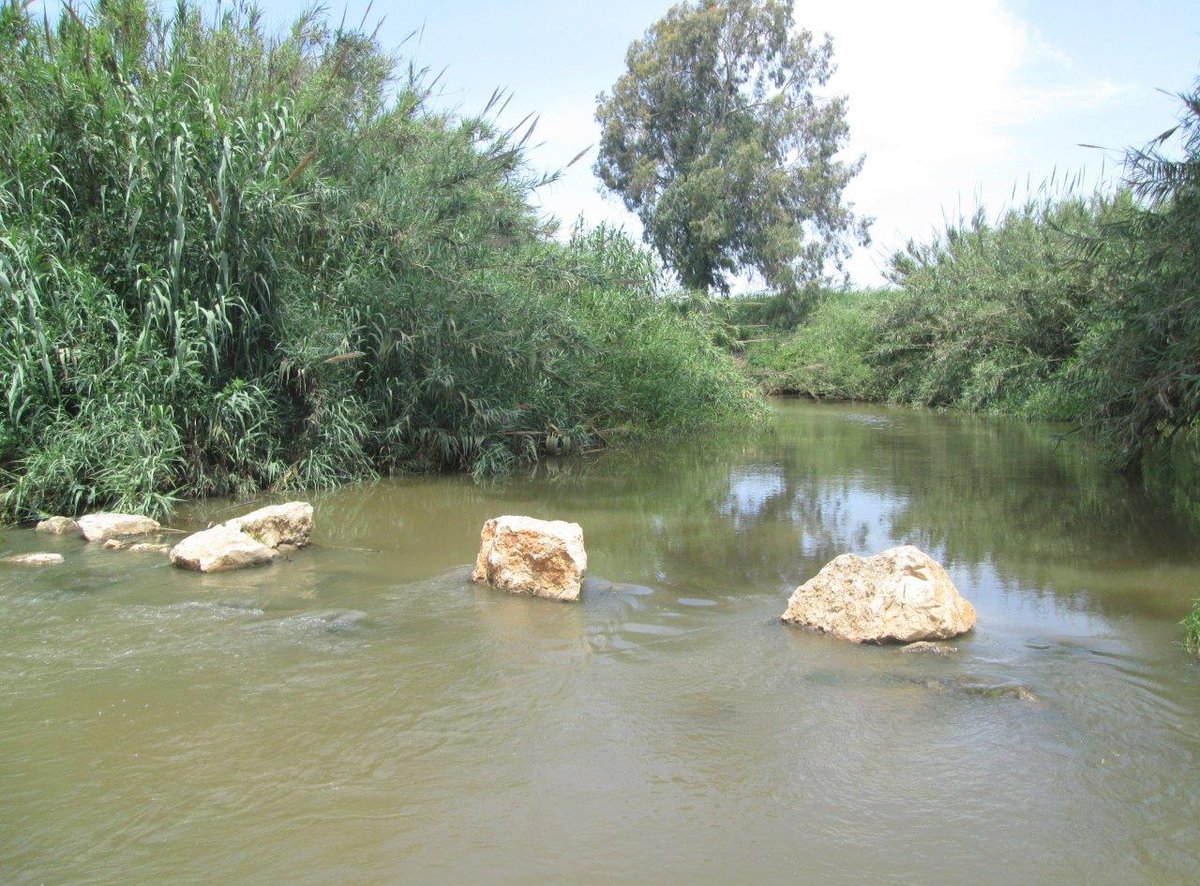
(103, 526)
(542, 558)
(39, 559)
(59, 526)
(286, 524)
(220, 549)
(901, 595)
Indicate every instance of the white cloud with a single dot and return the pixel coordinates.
(939, 91)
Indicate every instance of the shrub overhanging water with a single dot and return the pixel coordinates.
(231, 262)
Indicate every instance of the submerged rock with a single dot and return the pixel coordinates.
(542, 558)
(103, 526)
(275, 525)
(149, 548)
(971, 686)
(1020, 693)
(38, 559)
(927, 648)
(59, 526)
(901, 595)
(138, 547)
(220, 549)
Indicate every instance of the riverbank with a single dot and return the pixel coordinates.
(1070, 310)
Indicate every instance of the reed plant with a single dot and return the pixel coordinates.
(232, 260)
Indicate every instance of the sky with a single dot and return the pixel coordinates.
(955, 103)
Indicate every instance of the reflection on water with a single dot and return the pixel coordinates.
(363, 712)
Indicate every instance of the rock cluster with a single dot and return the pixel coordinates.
(249, 540)
(257, 537)
(899, 596)
(542, 558)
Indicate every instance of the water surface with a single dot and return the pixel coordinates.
(362, 713)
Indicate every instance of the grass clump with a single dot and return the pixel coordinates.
(1191, 627)
(829, 357)
(233, 261)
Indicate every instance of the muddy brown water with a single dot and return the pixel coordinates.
(362, 713)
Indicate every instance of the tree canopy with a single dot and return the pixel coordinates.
(715, 137)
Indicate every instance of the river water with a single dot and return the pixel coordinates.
(362, 713)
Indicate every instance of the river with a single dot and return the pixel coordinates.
(363, 713)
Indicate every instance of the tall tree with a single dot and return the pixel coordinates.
(715, 138)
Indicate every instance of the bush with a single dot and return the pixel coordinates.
(988, 314)
(1137, 371)
(828, 357)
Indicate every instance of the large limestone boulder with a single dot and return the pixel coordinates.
(59, 526)
(286, 524)
(220, 549)
(543, 558)
(103, 526)
(901, 595)
(38, 559)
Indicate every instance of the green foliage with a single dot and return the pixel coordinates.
(1191, 627)
(1081, 310)
(1137, 374)
(715, 138)
(830, 356)
(987, 314)
(231, 261)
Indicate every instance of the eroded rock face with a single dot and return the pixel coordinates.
(286, 524)
(220, 549)
(542, 558)
(103, 526)
(59, 526)
(39, 559)
(899, 596)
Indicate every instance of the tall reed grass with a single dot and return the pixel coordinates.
(232, 260)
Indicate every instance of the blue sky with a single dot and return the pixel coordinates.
(954, 102)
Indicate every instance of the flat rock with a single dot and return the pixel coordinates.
(220, 549)
(105, 525)
(59, 526)
(899, 596)
(38, 559)
(275, 525)
(524, 555)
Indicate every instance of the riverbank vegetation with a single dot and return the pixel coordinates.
(1082, 310)
(231, 262)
